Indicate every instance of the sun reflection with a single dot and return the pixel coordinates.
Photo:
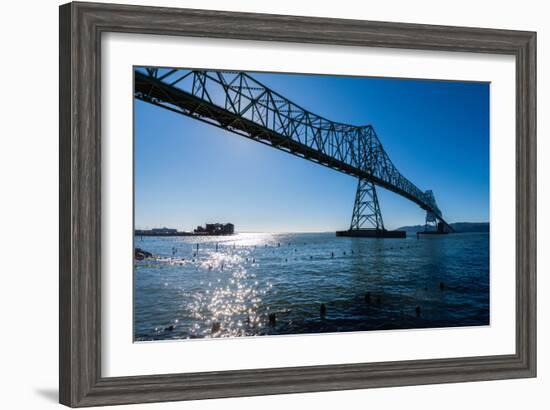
(227, 305)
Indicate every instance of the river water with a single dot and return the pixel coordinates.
(253, 284)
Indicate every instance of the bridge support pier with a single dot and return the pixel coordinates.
(433, 226)
(366, 220)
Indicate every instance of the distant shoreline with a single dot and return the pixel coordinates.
(459, 227)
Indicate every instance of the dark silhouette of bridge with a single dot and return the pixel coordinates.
(237, 102)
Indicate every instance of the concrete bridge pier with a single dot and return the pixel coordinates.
(372, 233)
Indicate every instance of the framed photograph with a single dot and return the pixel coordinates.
(261, 204)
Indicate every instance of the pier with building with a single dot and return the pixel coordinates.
(209, 229)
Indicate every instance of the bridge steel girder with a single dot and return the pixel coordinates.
(238, 103)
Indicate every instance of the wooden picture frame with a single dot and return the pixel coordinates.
(81, 27)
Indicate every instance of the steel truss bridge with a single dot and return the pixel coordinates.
(238, 103)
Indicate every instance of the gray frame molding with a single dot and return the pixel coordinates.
(81, 26)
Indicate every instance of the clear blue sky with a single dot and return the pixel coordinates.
(436, 133)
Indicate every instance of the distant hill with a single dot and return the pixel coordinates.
(457, 226)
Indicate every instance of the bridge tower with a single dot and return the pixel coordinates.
(366, 210)
(431, 222)
(366, 220)
(434, 225)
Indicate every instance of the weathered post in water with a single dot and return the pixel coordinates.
(323, 311)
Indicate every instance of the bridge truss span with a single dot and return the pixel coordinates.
(237, 102)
